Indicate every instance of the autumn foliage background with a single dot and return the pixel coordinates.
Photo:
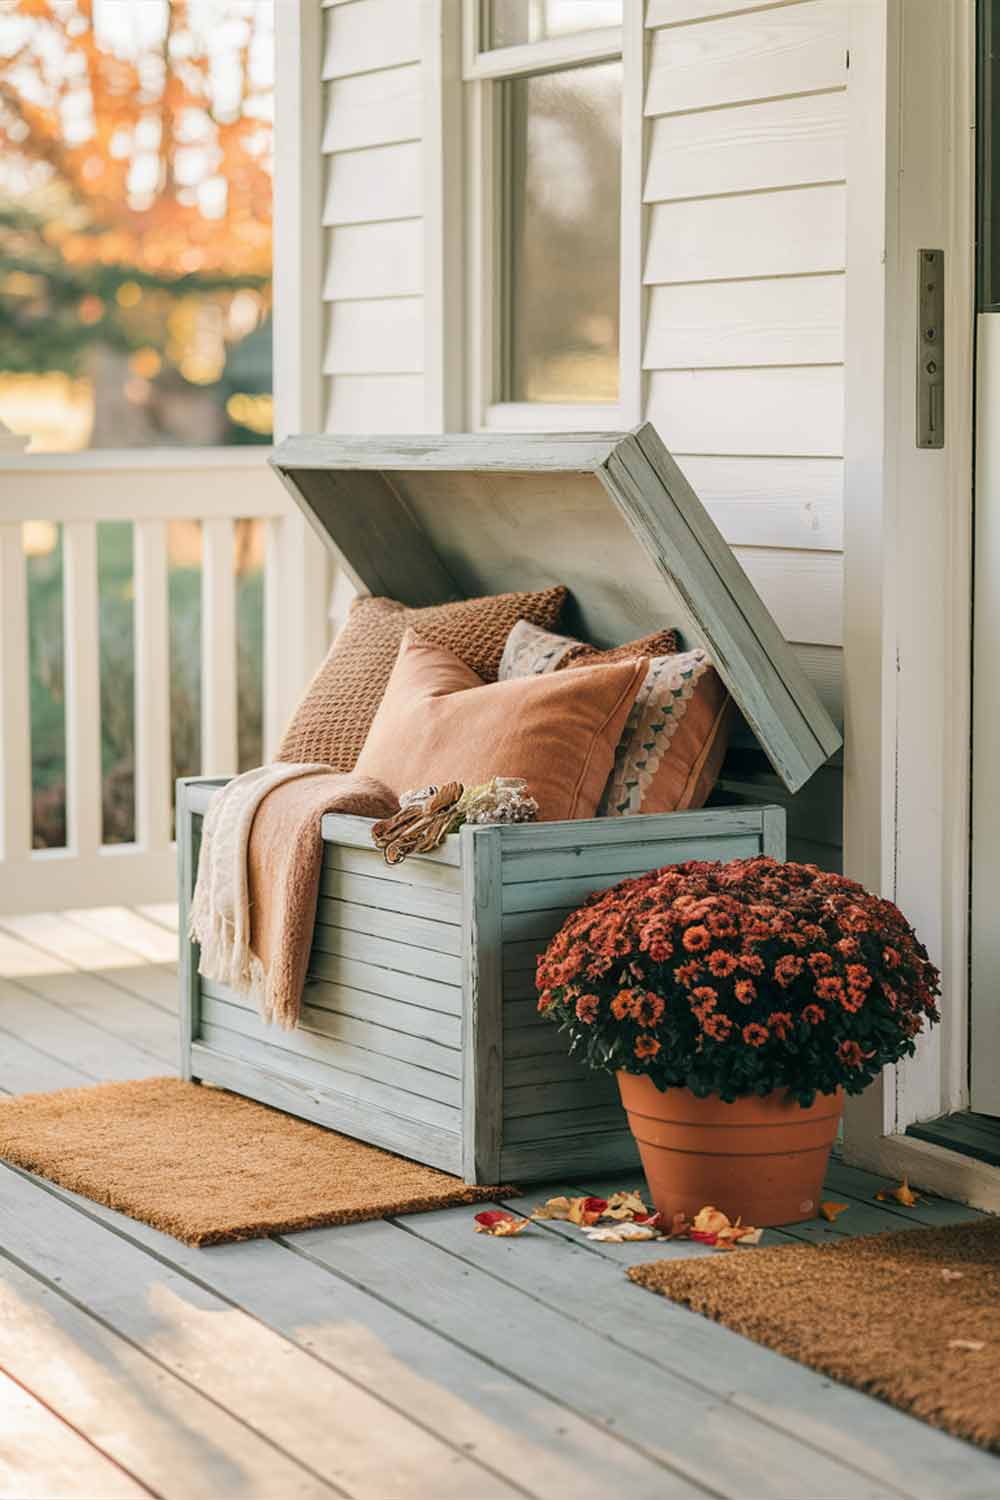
(135, 300)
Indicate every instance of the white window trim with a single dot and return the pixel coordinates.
(481, 71)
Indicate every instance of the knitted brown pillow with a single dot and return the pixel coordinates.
(332, 721)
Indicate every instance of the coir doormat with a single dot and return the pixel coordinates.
(208, 1166)
(912, 1318)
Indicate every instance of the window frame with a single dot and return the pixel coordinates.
(483, 74)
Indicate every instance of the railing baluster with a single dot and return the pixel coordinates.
(152, 685)
(218, 648)
(275, 690)
(83, 687)
(15, 728)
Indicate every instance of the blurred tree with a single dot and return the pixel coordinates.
(135, 196)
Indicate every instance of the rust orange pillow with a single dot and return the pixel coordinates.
(337, 708)
(438, 721)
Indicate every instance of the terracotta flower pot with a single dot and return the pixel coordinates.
(761, 1159)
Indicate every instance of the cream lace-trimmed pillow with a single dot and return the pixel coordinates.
(674, 741)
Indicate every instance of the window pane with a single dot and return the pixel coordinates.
(135, 222)
(513, 22)
(564, 176)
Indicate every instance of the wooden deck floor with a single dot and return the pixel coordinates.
(391, 1360)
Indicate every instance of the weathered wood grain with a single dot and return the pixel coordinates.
(327, 1103)
(482, 1028)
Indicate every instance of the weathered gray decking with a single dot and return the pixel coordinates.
(394, 1359)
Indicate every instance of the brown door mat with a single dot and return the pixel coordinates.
(208, 1166)
(912, 1318)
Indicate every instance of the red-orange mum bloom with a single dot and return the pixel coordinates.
(820, 963)
(646, 1046)
(717, 1027)
(706, 996)
(752, 963)
(858, 975)
(850, 1054)
(780, 1022)
(848, 946)
(687, 974)
(814, 1014)
(586, 1008)
(787, 969)
(621, 1005)
(890, 958)
(755, 1035)
(648, 1009)
(721, 963)
(746, 991)
(831, 988)
(697, 939)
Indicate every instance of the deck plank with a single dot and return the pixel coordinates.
(164, 912)
(101, 1055)
(875, 1439)
(26, 1069)
(300, 1405)
(130, 929)
(73, 1468)
(71, 944)
(178, 1442)
(110, 1009)
(691, 1431)
(456, 1394)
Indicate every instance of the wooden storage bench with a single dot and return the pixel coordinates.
(419, 1027)
(419, 1030)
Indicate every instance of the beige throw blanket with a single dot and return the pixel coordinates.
(261, 854)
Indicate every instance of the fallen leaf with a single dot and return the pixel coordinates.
(625, 1206)
(554, 1208)
(681, 1227)
(947, 1275)
(497, 1221)
(709, 1220)
(903, 1194)
(833, 1211)
(616, 1234)
(972, 1346)
(751, 1237)
(586, 1210)
(727, 1239)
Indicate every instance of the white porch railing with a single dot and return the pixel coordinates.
(149, 489)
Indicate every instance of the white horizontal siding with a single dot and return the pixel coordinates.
(793, 320)
(375, 337)
(744, 267)
(790, 233)
(784, 49)
(782, 143)
(373, 183)
(772, 502)
(370, 35)
(374, 343)
(375, 260)
(798, 411)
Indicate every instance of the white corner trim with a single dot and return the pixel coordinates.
(933, 1168)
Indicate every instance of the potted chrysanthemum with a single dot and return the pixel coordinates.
(736, 1004)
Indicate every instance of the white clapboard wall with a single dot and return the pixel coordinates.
(372, 217)
(743, 279)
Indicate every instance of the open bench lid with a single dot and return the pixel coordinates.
(426, 520)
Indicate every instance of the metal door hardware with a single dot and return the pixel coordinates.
(930, 349)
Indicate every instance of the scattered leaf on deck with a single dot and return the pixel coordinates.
(903, 1194)
(625, 1206)
(972, 1346)
(554, 1208)
(498, 1221)
(616, 1234)
(586, 1210)
(833, 1211)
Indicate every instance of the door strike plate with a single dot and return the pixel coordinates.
(930, 349)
